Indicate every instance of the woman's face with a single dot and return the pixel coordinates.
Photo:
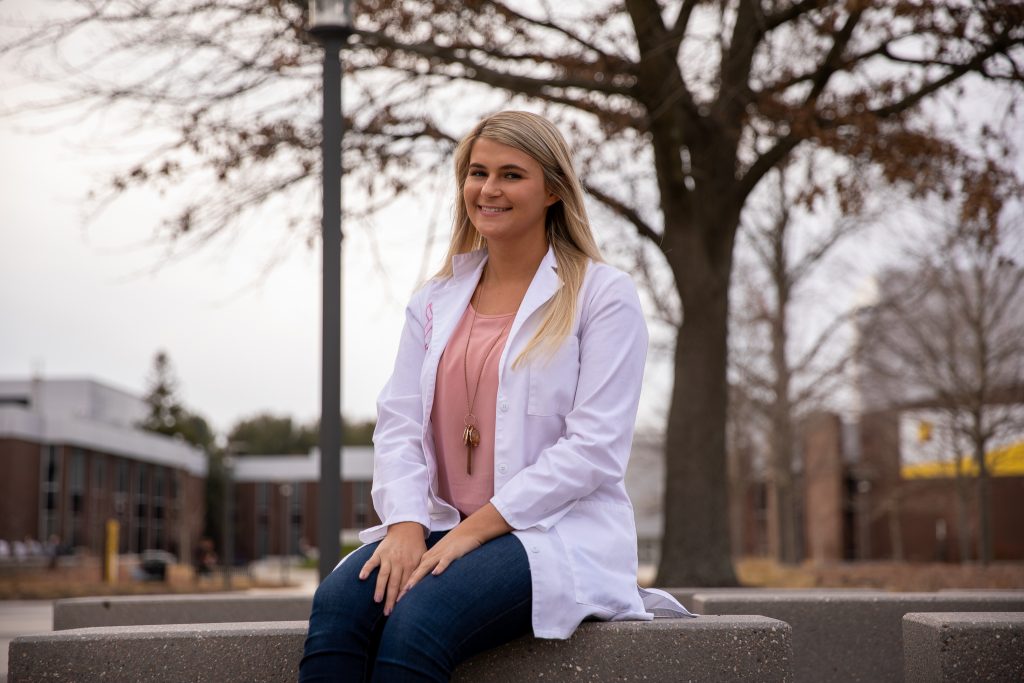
(504, 192)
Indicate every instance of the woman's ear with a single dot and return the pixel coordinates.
(552, 199)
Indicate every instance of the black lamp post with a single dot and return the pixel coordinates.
(330, 22)
(228, 520)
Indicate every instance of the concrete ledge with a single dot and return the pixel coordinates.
(686, 595)
(850, 636)
(198, 652)
(178, 609)
(963, 646)
(706, 649)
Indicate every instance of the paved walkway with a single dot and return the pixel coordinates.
(22, 618)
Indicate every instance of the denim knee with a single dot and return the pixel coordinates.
(342, 602)
(415, 644)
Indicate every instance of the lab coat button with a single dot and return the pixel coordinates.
(503, 405)
(502, 468)
(534, 548)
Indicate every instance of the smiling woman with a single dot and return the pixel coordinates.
(502, 436)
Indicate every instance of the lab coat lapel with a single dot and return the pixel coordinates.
(543, 286)
(449, 303)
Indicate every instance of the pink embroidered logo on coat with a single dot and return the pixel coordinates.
(429, 327)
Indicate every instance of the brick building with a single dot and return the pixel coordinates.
(276, 497)
(870, 492)
(71, 457)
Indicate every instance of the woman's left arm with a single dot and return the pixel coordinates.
(598, 432)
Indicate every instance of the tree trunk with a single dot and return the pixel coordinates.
(895, 526)
(984, 505)
(695, 546)
(963, 531)
(783, 526)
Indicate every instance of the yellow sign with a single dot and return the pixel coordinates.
(924, 431)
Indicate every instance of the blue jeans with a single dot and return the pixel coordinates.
(481, 601)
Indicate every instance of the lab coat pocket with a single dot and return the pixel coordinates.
(553, 380)
(599, 539)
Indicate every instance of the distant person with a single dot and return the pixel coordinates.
(502, 437)
(35, 548)
(205, 560)
(53, 550)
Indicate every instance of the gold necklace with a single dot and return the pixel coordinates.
(470, 433)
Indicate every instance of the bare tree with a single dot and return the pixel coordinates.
(786, 374)
(948, 333)
(678, 110)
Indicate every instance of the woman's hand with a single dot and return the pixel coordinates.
(456, 543)
(397, 556)
(480, 527)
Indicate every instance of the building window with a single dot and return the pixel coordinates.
(262, 519)
(158, 507)
(98, 498)
(295, 519)
(121, 504)
(76, 498)
(361, 508)
(141, 507)
(50, 493)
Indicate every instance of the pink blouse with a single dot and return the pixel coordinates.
(468, 492)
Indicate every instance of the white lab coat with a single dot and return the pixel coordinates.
(562, 439)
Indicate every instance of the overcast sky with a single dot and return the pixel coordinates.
(99, 301)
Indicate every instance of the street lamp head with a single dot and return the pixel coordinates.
(330, 18)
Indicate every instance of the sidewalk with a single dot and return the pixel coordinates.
(22, 618)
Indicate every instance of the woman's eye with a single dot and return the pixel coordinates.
(513, 176)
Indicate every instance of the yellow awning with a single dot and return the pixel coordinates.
(1007, 461)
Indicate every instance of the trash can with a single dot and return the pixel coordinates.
(153, 564)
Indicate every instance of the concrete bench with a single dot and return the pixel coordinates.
(686, 595)
(178, 609)
(705, 649)
(963, 646)
(850, 636)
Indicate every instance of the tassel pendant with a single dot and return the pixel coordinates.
(470, 437)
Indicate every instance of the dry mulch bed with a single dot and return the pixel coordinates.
(43, 584)
(894, 576)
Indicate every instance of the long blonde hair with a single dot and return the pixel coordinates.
(565, 225)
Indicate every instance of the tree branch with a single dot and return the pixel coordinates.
(479, 72)
(620, 208)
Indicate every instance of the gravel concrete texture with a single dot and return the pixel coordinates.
(855, 635)
(178, 609)
(736, 648)
(963, 646)
(704, 649)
